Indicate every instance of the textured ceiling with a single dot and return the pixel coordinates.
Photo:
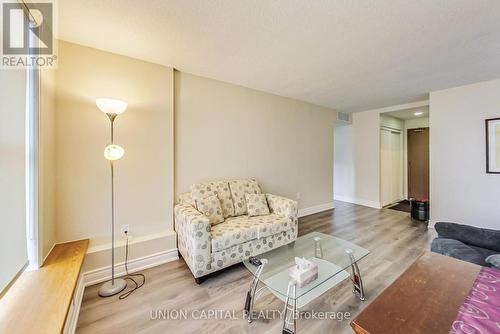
(406, 114)
(348, 55)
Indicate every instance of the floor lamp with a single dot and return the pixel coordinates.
(112, 152)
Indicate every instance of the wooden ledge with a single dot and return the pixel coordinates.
(39, 300)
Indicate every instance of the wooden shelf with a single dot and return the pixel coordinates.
(39, 300)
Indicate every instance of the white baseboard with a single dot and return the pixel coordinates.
(315, 209)
(359, 201)
(103, 274)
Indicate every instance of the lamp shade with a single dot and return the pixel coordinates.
(113, 152)
(111, 106)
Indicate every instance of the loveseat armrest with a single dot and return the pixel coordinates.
(284, 207)
(193, 234)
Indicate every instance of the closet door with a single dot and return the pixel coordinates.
(385, 167)
(397, 166)
(391, 166)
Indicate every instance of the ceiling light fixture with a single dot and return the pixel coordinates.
(419, 113)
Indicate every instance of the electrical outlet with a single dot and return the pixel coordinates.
(125, 228)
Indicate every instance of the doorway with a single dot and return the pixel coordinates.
(418, 163)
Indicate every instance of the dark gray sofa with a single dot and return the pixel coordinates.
(468, 243)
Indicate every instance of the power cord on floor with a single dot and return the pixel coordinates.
(129, 276)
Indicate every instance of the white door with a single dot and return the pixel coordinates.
(391, 166)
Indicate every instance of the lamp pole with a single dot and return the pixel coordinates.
(112, 121)
(112, 152)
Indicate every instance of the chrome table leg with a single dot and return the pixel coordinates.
(290, 310)
(251, 293)
(356, 276)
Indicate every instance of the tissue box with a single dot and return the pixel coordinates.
(305, 276)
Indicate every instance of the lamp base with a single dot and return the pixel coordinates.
(108, 289)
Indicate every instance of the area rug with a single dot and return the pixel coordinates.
(401, 206)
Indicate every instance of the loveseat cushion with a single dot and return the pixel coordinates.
(270, 224)
(238, 190)
(210, 206)
(233, 231)
(256, 205)
(237, 230)
(219, 188)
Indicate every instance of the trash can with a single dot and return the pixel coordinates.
(420, 209)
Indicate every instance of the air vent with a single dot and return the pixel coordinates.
(343, 116)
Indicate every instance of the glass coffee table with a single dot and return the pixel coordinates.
(332, 255)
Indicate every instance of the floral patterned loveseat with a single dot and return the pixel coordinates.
(207, 247)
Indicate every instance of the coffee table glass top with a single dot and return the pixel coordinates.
(330, 253)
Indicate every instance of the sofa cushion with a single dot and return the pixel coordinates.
(233, 231)
(256, 205)
(270, 224)
(221, 188)
(494, 260)
(210, 207)
(475, 236)
(460, 250)
(243, 251)
(238, 190)
(236, 230)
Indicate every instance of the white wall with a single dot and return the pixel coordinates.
(222, 131)
(357, 160)
(227, 131)
(343, 163)
(13, 251)
(461, 190)
(143, 177)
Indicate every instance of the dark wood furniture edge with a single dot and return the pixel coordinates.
(374, 310)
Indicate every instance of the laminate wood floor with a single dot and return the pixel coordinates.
(392, 238)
